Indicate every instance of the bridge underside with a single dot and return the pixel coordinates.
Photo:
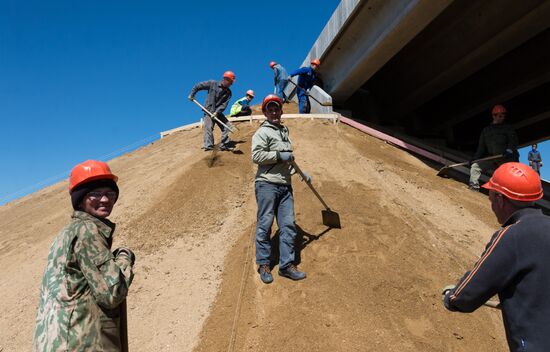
(435, 73)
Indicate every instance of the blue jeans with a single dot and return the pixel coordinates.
(275, 201)
(303, 103)
(280, 89)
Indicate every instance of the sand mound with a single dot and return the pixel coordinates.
(190, 216)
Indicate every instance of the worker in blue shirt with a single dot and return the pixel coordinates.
(535, 160)
(306, 80)
(280, 80)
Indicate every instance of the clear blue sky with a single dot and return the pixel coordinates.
(83, 79)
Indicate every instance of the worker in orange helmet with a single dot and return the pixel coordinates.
(272, 152)
(216, 102)
(499, 138)
(242, 106)
(85, 284)
(306, 79)
(280, 80)
(515, 264)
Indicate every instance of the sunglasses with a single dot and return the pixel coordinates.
(111, 195)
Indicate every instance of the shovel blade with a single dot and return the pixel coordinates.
(331, 219)
(443, 171)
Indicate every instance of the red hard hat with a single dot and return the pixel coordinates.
(498, 109)
(516, 181)
(272, 63)
(250, 92)
(316, 62)
(230, 75)
(271, 98)
(90, 170)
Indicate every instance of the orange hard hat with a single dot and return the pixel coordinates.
(498, 109)
(271, 98)
(230, 75)
(90, 170)
(250, 92)
(272, 63)
(516, 181)
(316, 62)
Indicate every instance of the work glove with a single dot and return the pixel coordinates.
(285, 156)
(446, 290)
(190, 97)
(307, 92)
(125, 251)
(306, 177)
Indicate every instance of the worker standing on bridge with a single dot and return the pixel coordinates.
(280, 80)
(535, 160)
(515, 264)
(216, 102)
(85, 285)
(306, 80)
(496, 139)
(272, 151)
(242, 106)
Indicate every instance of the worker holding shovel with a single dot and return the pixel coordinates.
(306, 80)
(83, 293)
(515, 264)
(272, 151)
(216, 102)
(499, 138)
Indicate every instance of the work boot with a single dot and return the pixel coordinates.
(225, 148)
(473, 187)
(292, 272)
(265, 274)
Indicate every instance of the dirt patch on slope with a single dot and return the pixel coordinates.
(373, 285)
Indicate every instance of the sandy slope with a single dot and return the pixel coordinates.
(190, 217)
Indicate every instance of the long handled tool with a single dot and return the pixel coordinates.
(444, 169)
(330, 218)
(311, 96)
(213, 116)
(124, 326)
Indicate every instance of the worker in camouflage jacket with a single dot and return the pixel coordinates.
(85, 284)
(499, 138)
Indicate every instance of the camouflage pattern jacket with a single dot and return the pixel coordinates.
(82, 288)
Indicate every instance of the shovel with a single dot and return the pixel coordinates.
(330, 218)
(311, 96)
(444, 169)
(124, 327)
(213, 116)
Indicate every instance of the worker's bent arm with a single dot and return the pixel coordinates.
(299, 71)
(107, 276)
(493, 272)
(261, 154)
(200, 86)
(481, 147)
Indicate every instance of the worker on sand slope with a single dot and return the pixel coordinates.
(306, 80)
(534, 158)
(242, 106)
(515, 264)
(495, 139)
(280, 80)
(84, 283)
(272, 151)
(216, 102)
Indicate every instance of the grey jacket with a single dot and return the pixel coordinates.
(495, 139)
(268, 140)
(217, 98)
